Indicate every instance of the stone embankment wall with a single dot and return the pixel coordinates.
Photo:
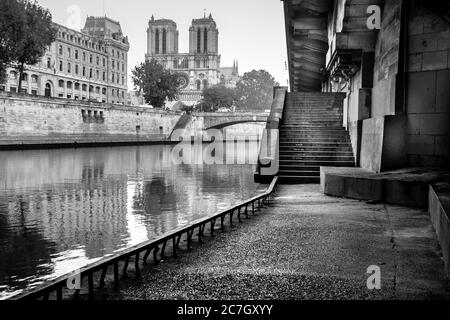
(28, 120)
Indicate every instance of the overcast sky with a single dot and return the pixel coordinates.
(251, 31)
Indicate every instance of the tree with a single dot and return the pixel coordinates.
(218, 96)
(156, 83)
(12, 25)
(31, 33)
(255, 90)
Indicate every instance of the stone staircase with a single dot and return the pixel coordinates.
(311, 136)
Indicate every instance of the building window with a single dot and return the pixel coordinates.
(69, 68)
(13, 89)
(104, 62)
(34, 92)
(113, 77)
(197, 64)
(104, 91)
(205, 84)
(60, 50)
(61, 83)
(90, 58)
(157, 41)
(68, 52)
(123, 67)
(98, 60)
(104, 76)
(123, 56)
(76, 54)
(164, 41)
(49, 63)
(60, 66)
(84, 71)
(90, 73)
(13, 75)
(77, 86)
(76, 69)
(84, 56)
(123, 80)
(199, 40)
(34, 79)
(69, 85)
(98, 75)
(84, 87)
(205, 40)
(24, 77)
(91, 88)
(113, 64)
(199, 85)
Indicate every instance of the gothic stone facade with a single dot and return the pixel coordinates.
(200, 67)
(86, 65)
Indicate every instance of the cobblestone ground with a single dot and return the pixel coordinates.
(305, 246)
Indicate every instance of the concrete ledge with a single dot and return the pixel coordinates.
(439, 209)
(406, 187)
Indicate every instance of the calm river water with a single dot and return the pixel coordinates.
(63, 209)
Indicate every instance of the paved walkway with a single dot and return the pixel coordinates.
(305, 246)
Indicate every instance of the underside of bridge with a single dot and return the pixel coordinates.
(326, 38)
(307, 42)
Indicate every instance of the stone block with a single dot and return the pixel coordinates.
(332, 185)
(441, 223)
(443, 91)
(421, 92)
(444, 40)
(443, 145)
(422, 43)
(363, 188)
(435, 124)
(413, 124)
(405, 193)
(415, 62)
(372, 143)
(420, 144)
(437, 60)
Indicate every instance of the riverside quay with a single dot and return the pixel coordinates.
(316, 168)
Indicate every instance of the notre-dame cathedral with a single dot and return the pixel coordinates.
(200, 67)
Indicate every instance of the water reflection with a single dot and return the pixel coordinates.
(62, 209)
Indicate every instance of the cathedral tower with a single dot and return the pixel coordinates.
(204, 36)
(162, 37)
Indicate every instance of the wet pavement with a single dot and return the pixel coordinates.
(305, 246)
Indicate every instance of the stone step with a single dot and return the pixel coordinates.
(299, 173)
(322, 141)
(311, 163)
(299, 158)
(298, 180)
(284, 153)
(314, 129)
(299, 167)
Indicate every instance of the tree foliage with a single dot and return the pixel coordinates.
(156, 83)
(255, 90)
(218, 96)
(26, 31)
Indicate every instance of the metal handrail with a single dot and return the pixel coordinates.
(57, 285)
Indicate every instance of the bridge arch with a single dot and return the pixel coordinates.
(232, 123)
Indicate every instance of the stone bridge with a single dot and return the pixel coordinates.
(222, 120)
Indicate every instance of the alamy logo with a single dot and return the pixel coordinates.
(374, 21)
(374, 280)
(74, 281)
(74, 17)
